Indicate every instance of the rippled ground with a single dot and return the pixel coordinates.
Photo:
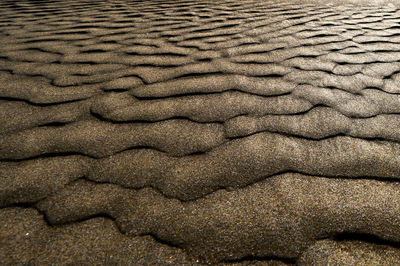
(179, 132)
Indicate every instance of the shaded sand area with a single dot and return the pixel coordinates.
(199, 132)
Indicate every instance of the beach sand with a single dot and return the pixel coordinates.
(199, 132)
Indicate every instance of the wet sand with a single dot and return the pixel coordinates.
(199, 132)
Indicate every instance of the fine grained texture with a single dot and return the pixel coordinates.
(32, 180)
(200, 132)
(247, 160)
(275, 217)
(216, 83)
(18, 115)
(330, 252)
(318, 123)
(27, 238)
(100, 139)
(201, 108)
(39, 90)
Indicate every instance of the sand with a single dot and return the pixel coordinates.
(200, 132)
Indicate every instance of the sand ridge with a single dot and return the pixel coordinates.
(199, 132)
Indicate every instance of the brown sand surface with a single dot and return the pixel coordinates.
(199, 132)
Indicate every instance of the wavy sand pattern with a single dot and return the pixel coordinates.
(199, 132)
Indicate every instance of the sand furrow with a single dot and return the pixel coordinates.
(246, 160)
(320, 122)
(281, 216)
(347, 252)
(201, 108)
(101, 139)
(187, 132)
